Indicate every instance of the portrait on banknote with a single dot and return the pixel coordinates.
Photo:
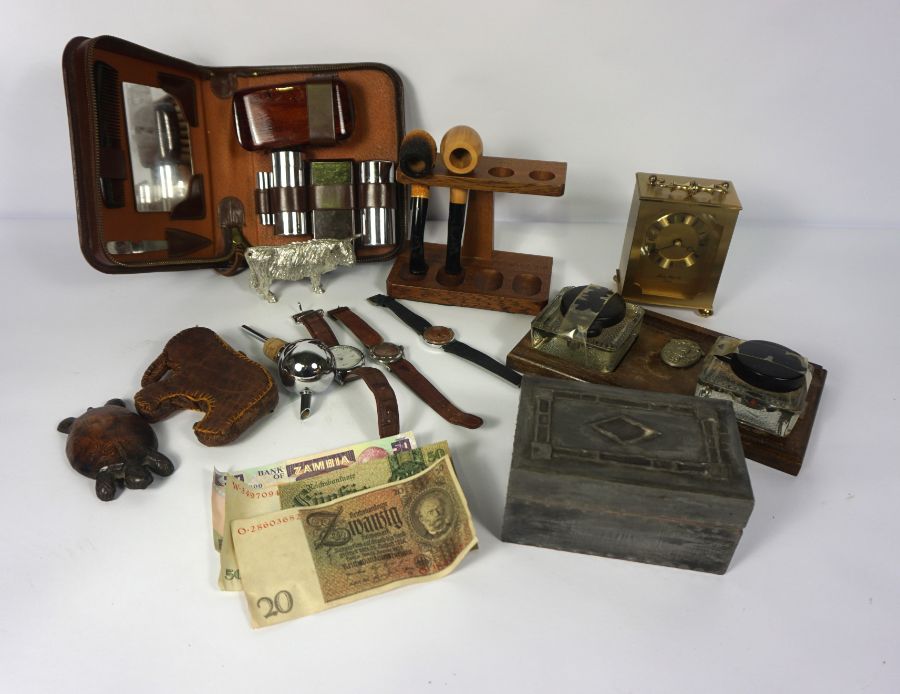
(433, 514)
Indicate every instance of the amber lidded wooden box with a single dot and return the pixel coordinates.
(649, 477)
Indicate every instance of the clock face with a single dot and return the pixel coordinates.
(347, 357)
(679, 240)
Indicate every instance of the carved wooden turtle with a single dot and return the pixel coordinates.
(114, 446)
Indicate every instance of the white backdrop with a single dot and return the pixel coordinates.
(796, 102)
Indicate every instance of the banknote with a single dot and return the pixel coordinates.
(246, 493)
(298, 468)
(333, 485)
(301, 560)
(244, 501)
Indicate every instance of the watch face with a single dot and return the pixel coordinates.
(386, 352)
(347, 357)
(438, 335)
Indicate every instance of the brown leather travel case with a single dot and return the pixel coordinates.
(219, 215)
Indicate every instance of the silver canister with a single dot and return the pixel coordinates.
(377, 203)
(288, 175)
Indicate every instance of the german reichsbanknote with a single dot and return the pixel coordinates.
(249, 492)
(300, 560)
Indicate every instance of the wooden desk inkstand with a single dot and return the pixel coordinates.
(472, 274)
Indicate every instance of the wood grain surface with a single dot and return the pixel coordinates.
(643, 369)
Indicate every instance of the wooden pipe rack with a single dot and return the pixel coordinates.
(491, 279)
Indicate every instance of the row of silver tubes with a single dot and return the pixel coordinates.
(376, 223)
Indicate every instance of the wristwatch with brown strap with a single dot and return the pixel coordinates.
(444, 338)
(349, 367)
(391, 357)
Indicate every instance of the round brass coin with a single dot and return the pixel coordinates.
(681, 353)
(438, 335)
(386, 352)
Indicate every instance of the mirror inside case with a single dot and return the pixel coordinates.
(159, 146)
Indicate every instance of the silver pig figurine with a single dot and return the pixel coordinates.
(297, 261)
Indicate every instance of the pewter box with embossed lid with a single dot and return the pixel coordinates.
(649, 477)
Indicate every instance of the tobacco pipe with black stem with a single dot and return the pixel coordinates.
(416, 159)
(461, 148)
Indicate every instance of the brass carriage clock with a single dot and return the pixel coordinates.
(678, 234)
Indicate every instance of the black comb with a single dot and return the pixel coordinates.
(109, 135)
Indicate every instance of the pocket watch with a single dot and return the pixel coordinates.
(676, 241)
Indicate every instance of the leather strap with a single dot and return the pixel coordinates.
(261, 197)
(431, 396)
(316, 326)
(364, 332)
(406, 372)
(460, 349)
(385, 398)
(413, 320)
(237, 265)
(286, 199)
(376, 195)
(332, 196)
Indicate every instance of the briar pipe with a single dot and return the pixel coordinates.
(418, 153)
(461, 148)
